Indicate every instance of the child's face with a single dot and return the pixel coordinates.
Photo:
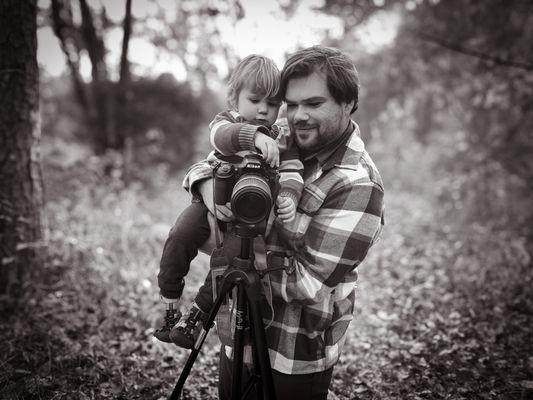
(256, 108)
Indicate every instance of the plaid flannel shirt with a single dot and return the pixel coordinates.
(339, 217)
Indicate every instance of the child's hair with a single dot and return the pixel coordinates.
(259, 73)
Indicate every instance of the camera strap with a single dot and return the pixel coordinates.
(219, 264)
(277, 262)
(218, 242)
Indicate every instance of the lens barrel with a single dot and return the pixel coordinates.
(251, 199)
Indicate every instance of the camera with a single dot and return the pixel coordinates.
(250, 186)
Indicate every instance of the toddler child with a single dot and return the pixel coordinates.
(248, 126)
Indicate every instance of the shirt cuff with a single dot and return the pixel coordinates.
(291, 195)
(247, 137)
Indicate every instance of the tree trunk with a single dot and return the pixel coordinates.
(103, 128)
(61, 15)
(20, 174)
(122, 130)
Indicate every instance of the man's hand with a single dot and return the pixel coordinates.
(205, 189)
(268, 148)
(286, 208)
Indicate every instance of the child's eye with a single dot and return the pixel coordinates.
(274, 103)
(255, 101)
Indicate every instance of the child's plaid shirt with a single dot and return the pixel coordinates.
(339, 217)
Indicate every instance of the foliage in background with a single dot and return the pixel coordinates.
(191, 32)
(109, 97)
(486, 45)
(166, 120)
(462, 69)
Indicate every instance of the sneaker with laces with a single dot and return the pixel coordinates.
(186, 331)
(171, 318)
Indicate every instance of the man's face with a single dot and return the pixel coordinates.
(315, 118)
(256, 108)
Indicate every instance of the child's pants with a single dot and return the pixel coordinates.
(188, 234)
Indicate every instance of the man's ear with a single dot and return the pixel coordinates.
(350, 107)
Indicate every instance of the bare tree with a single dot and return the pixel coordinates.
(101, 100)
(20, 173)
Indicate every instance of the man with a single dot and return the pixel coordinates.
(339, 217)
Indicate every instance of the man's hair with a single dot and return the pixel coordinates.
(257, 72)
(342, 77)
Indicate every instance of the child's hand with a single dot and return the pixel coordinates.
(286, 208)
(268, 147)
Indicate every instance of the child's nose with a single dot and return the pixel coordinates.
(262, 108)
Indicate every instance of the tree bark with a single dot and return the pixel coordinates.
(20, 173)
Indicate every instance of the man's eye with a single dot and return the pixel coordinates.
(291, 105)
(314, 104)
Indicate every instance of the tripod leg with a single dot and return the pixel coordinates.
(257, 372)
(238, 344)
(226, 287)
(249, 292)
(260, 344)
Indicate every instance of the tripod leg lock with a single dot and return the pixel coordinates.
(218, 265)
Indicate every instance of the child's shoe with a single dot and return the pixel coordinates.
(172, 316)
(186, 331)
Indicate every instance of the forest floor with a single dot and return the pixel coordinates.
(444, 311)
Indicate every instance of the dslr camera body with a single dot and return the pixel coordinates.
(249, 184)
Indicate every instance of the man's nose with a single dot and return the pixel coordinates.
(300, 115)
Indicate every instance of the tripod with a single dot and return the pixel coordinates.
(242, 275)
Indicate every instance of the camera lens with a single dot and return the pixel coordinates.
(251, 200)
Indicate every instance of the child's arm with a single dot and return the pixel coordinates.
(229, 134)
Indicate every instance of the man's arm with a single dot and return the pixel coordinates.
(330, 244)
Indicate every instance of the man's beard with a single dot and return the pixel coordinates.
(313, 130)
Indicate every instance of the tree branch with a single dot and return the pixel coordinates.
(124, 64)
(471, 52)
(94, 43)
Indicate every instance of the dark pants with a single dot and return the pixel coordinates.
(288, 387)
(188, 234)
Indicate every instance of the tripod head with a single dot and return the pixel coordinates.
(237, 249)
(248, 231)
